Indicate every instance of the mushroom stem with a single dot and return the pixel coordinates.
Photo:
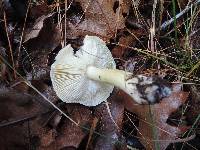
(141, 88)
(111, 76)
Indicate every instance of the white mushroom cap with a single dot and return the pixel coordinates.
(68, 73)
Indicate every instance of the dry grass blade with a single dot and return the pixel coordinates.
(22, 34)
(92, 129)
(10, 47)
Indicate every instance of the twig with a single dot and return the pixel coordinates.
(187, 8)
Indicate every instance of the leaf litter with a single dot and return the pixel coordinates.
(32, 123)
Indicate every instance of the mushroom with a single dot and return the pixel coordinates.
(89, 76)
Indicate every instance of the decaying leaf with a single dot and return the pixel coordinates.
(3, 67)
(39, 10)
(119, 51)
(16, 109)
(34, 32)
(20, 105)
(154, 131)
(194, 108)
(48, 138)
(92, 129)
(111, 124)
(39, 49)
(125, 42)
(45, 37)
(69, 134)
(102, 18)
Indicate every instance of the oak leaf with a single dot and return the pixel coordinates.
(154, 132)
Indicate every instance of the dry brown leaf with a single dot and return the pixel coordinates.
(39, 49)
(127, 41)
(100, 18)
(153, 129)
(38, 25)
(92, 129)
(69, 135)
(72, 135)
(194, 107)
(40, 69)
(16, 108)
(45, 39)
(38, 10)
(13, 136)
(119, 51)
(48, 138)
(110, 127)
(3, 67)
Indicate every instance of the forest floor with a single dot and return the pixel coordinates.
(150, 37)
